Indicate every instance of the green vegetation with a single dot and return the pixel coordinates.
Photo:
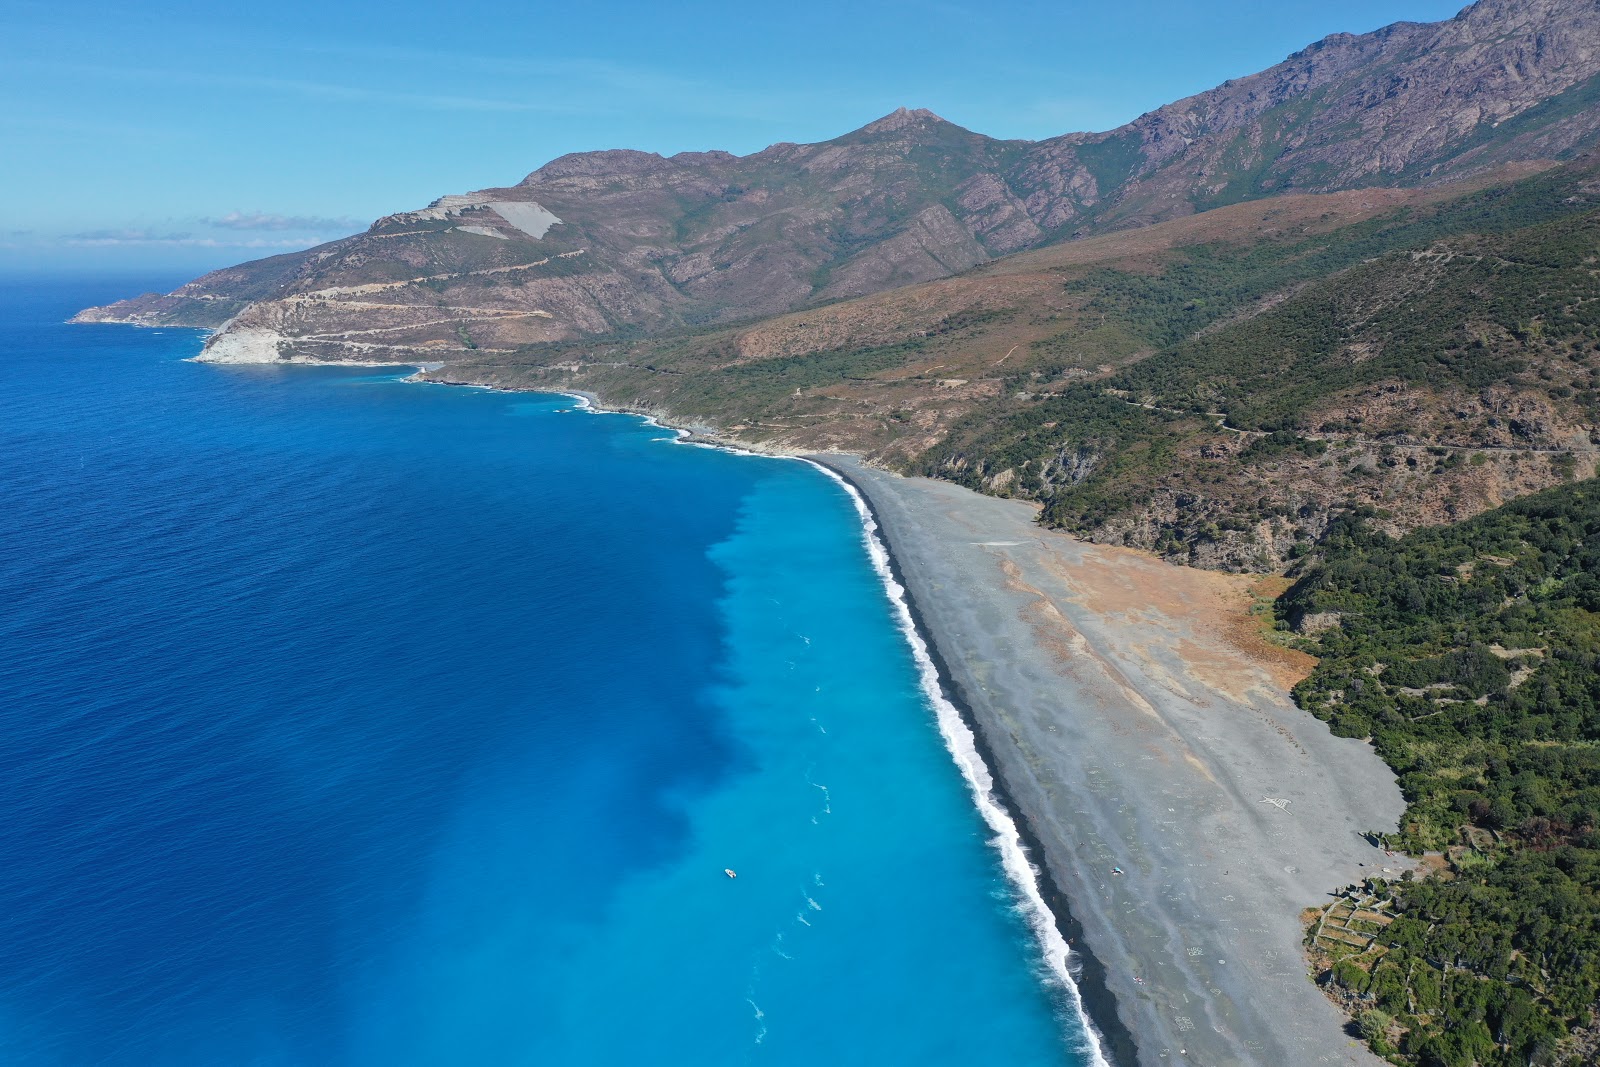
(1495, 291)
(1113, 160)
(1206, 284)
(1468, 313)
(751, 386)
(1470, 655)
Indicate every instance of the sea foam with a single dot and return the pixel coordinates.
(959, 741)
(963, 746)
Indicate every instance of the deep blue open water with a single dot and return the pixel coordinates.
(351, 721)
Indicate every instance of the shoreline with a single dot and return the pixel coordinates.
(1084, 983)
(1184, 810)
(1112, 950)
(1074, 970)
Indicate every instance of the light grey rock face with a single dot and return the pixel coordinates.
(1316, 622)
(248, 344)
(529, 217)
(1129, 733)
(996, 215)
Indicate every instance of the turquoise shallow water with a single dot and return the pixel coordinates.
(359, 722)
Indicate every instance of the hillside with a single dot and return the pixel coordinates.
(1453, 366)
(622, 243)
(1471, 656)
(1412, 103)
(1215, 388)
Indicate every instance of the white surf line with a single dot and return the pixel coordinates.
(681, 436)
(959, 742)
(958, 738)
(963, 748)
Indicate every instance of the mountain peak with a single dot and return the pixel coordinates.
(606, 162)
(900, 118)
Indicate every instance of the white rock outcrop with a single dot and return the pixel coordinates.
(246, 344)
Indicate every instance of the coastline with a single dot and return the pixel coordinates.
(1073, 964)
(1057, 934)
(1114, 1008)
(1182, 807)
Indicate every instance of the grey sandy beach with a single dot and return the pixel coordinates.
(1129, 731)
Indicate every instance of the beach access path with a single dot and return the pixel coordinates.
(1132, 725)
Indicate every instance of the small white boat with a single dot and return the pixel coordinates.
(730, 872)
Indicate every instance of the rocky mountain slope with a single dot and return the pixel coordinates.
(622, 242)
(1217, 388)
(1409, 104)
(613, 241)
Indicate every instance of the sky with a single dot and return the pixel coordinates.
(183, 136)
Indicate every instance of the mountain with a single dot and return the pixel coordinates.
(623, 242)
(1409, 104)
(1362, 279)
(603, 242)
(1425, 369)
(1217, 388)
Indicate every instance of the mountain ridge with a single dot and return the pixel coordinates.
(1216, 387)
(652, 242)
(893, 292)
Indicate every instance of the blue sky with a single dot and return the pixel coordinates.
(166, 135)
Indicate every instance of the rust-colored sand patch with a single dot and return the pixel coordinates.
(1123, 581)
(1053, 631)
(1249, 629)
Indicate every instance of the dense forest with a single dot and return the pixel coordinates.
(1470, 655)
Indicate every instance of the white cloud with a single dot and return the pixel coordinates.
(105, 238)
(259, 220)
(302, 87)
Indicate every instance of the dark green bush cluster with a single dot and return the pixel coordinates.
(1470, 655)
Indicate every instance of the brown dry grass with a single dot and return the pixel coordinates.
(1215, 628)
(1031, 281)
(1248, 626)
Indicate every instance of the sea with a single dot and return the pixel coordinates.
(354, 721)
